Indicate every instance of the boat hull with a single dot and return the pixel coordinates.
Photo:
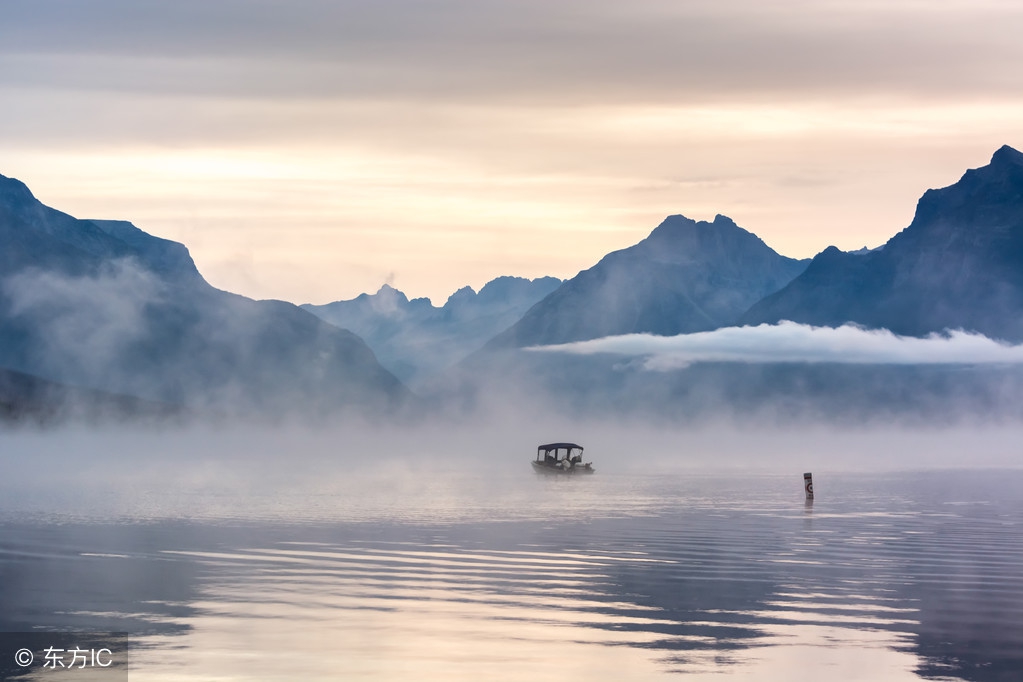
(555, 470)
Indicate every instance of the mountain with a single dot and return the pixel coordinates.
(687, 276)
(25, 398)
(415, 339)
(102, 305)
(959, 265)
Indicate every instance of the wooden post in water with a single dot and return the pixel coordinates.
(808, 485)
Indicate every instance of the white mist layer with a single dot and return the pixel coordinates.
(792, 342)
(444, 474)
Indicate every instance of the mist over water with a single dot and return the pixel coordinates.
(357, 468)
(370, 551)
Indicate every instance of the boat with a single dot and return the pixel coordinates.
(561, 459)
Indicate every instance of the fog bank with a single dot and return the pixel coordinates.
(358, 472)
(792, 342)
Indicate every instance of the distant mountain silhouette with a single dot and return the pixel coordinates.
(687, 276)
(415, 339)
(959, 265)
(103, 305)
(100, 311)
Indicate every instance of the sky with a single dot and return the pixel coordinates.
(312, 150)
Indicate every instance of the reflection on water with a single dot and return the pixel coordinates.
(883, 578)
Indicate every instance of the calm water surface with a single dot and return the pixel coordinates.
(885, 577)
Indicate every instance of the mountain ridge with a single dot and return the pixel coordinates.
(416, 339)
(686, 276)
(103, 305)
(958, 265)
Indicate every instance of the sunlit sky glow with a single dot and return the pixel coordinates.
(312, 150)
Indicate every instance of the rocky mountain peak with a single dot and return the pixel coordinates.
(14, 192)
(1006, 155)
(959, 265)
(985, 203)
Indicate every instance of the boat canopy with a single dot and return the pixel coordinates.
(559, 446)
(561, 458)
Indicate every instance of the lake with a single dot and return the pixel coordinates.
(888, 576)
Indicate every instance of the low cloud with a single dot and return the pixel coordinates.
(792, 342)
(83, 324)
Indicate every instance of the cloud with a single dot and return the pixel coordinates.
(527, 49)
(84, 324)
(792, 342)
(339, 140)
